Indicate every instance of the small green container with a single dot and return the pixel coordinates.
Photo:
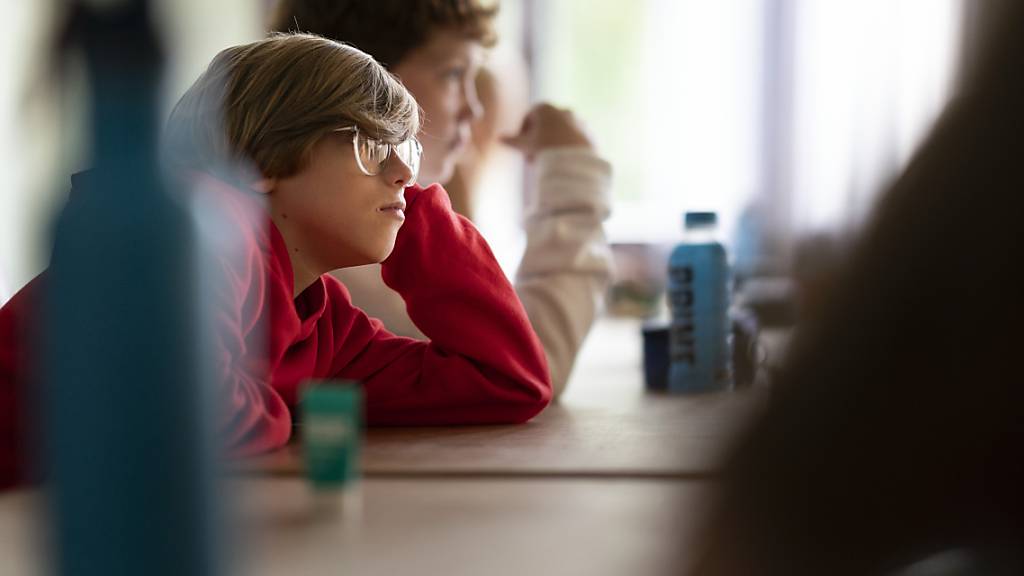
(331, 428)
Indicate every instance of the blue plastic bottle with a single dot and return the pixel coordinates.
(698, 295)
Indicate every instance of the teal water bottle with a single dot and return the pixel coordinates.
(128, 442)
(698, 295)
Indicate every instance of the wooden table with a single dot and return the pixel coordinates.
(430, 526)
(660, 437)
(609, 481)
(605, 425)
(493, 527)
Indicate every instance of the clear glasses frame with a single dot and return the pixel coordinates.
(372, 154)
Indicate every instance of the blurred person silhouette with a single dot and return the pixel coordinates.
(895, 431)
(484, 134)
(435, 48)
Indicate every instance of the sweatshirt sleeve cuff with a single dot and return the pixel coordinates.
(571, 179)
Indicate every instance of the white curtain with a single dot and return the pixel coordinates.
(803, 108)
(869, 79)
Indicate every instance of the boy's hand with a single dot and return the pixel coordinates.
(548, 127)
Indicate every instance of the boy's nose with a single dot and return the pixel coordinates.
(398, 172)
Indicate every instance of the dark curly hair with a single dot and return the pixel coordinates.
(386, 29)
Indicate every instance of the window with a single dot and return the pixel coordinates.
(808, 107)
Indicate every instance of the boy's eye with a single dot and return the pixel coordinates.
(455, 74)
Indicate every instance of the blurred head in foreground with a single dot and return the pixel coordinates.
(896, 429)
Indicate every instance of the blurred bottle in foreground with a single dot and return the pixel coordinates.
(126, 444)
(698, 298)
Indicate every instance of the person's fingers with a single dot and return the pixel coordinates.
(513, 140)
(546, 126)
(521, 140)
(545, 109)
(528, 124)
(557, 127)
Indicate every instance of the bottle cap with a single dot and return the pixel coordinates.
(331, 431)
(699, 220)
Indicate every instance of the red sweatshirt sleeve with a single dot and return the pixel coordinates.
(483, 363)
(14, 366)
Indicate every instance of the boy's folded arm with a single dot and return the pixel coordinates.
(483, 363)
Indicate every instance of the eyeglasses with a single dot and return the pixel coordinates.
(372, 154)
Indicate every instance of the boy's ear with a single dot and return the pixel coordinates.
(264, 185)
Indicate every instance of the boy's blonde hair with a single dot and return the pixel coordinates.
(264, 105)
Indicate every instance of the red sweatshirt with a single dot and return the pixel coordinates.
(483, 364)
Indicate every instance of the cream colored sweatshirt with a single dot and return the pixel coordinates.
(564, 271)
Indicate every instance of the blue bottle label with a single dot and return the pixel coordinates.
(682, 347)
(698, 291)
